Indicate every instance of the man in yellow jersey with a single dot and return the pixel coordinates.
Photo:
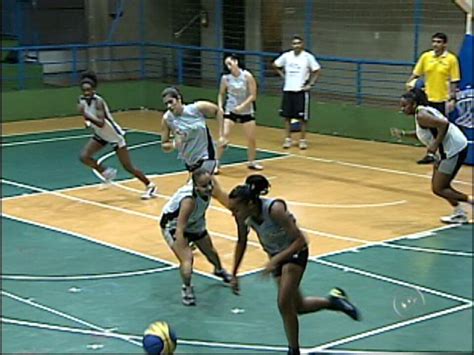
(441, 73)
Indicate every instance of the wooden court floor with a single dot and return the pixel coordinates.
(346, 194)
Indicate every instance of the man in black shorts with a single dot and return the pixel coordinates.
(300, 70)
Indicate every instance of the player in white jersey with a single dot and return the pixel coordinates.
(184, 128)
(97, 116)
(183, 221)
(237, 95)
(441, 137)
(300, 70)
(287, 249)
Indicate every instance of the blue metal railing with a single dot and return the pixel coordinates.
(347, 78)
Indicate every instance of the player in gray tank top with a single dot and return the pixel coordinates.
(183, 221)
(184, 128)
(237, 95)
(287, 249)
(97, 116)
(443, 137)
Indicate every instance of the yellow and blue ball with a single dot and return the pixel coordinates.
(159, 338)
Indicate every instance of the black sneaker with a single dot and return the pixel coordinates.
(427, 159)
(224, 275)
(340, 302)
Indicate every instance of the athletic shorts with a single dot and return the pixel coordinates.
(116, 145)
(169, 235)
(239, 118)
(295, 104)
(300, 258)
(452, 165)
(209, 165)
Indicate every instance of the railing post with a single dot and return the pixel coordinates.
(142, 61)
(219, 39)
(359, 84)
(180, 67)
(21, 70)
(308, 24)
(261, 74)
(141, 25)
(74, 76)
(417, 17)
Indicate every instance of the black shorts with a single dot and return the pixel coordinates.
(300, 258)
(170, 236)
(440, 106)
(103, 142)
(207, 164)
(239, 118)
(295, 104)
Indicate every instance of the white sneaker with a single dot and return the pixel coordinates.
(109, 174)
(187, 294)
(217, 169)
(254, 166)
(287, 143)
(303, 144)
(456, 218)
(149, 192)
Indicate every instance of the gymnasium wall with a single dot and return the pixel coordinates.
(326, 118)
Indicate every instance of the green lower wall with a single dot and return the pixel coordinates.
(326, 118)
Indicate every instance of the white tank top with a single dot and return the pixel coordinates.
(454, 141)
(192, 137)
(237, 92)
(271, 235)
(197, 219)
(111, 131)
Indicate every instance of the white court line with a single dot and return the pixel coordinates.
(417, 235)
(385, 243)
(46, 140)
(59, 130)
(430, 250)
(362, 205)
(369, 205)
(369, 167)
(87, 277)
(102, 205)
(137, 337)
(99, 242)
(64, 315)
(390, 327)
(390, 280)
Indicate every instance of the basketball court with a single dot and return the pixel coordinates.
(85, 269)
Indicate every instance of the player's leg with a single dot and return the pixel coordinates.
(228, 124)
(250, 133)
(207, 248)
(88, 151)
(185, 257)
(125, 160)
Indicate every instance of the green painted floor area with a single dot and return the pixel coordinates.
(93, 291)
(454, 239)
(54, 164)
(130, 303)
(446, 273)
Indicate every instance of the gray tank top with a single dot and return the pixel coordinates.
(237, 92)
(273, 238)
(192, 137)
(453, 142)
(197, 219)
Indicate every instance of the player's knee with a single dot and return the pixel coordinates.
(285, 304)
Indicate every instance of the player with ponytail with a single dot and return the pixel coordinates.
(287, 248)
